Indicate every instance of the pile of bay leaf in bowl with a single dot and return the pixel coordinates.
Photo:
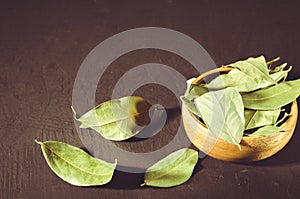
(247, 113)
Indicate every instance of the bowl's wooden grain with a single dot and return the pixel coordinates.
(252, 148)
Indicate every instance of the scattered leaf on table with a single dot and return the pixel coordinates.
(266, 130)
(255, 118)
(223, 113)
(255, 67)
(172, 170)
(274, 97)
(118, 119)
(75, 166)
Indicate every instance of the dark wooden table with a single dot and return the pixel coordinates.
(42, 45)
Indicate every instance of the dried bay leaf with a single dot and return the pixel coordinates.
(266, 130)
(278, 68)
(74, 165)
(243, 82)
(188, 85)
(274, 97)
(255, 118)
(223, 113)
(281, 74)
(285, 116)
(255, 67)
(190, 105)
(118, 119)
(194, 91)
(172, 170)
(233, 78)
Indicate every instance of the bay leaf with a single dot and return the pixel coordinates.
(223, 113)
(194, 91)
(286, 115)
(240, 80)
(243, 82)
(117, 119)
(273, 97)
(255, 118)
(190, 105)
(278, 68)
(233, 78)
(255, 67)
(188, 85)
(279, 75)
(276, 76)
(266, 130)
(74, 165)
(172, 170)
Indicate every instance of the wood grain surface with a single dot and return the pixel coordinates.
(43, 43)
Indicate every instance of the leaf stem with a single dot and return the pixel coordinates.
(283, 118)
(143, 184)
(38, 142)
(74, 113)
(273, 60)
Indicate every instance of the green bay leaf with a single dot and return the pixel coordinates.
(190, 105)
(118, 119)
(74, 165)
(279, 75)
(223, 113)
(266, 130)
(286, 115)
(255, 118)
(243, 82)
(255, 67)
(188, 85)
(273, 97)
(172, 170)
(278, 68)
(194, 91)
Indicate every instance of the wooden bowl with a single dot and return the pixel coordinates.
(252, 148)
